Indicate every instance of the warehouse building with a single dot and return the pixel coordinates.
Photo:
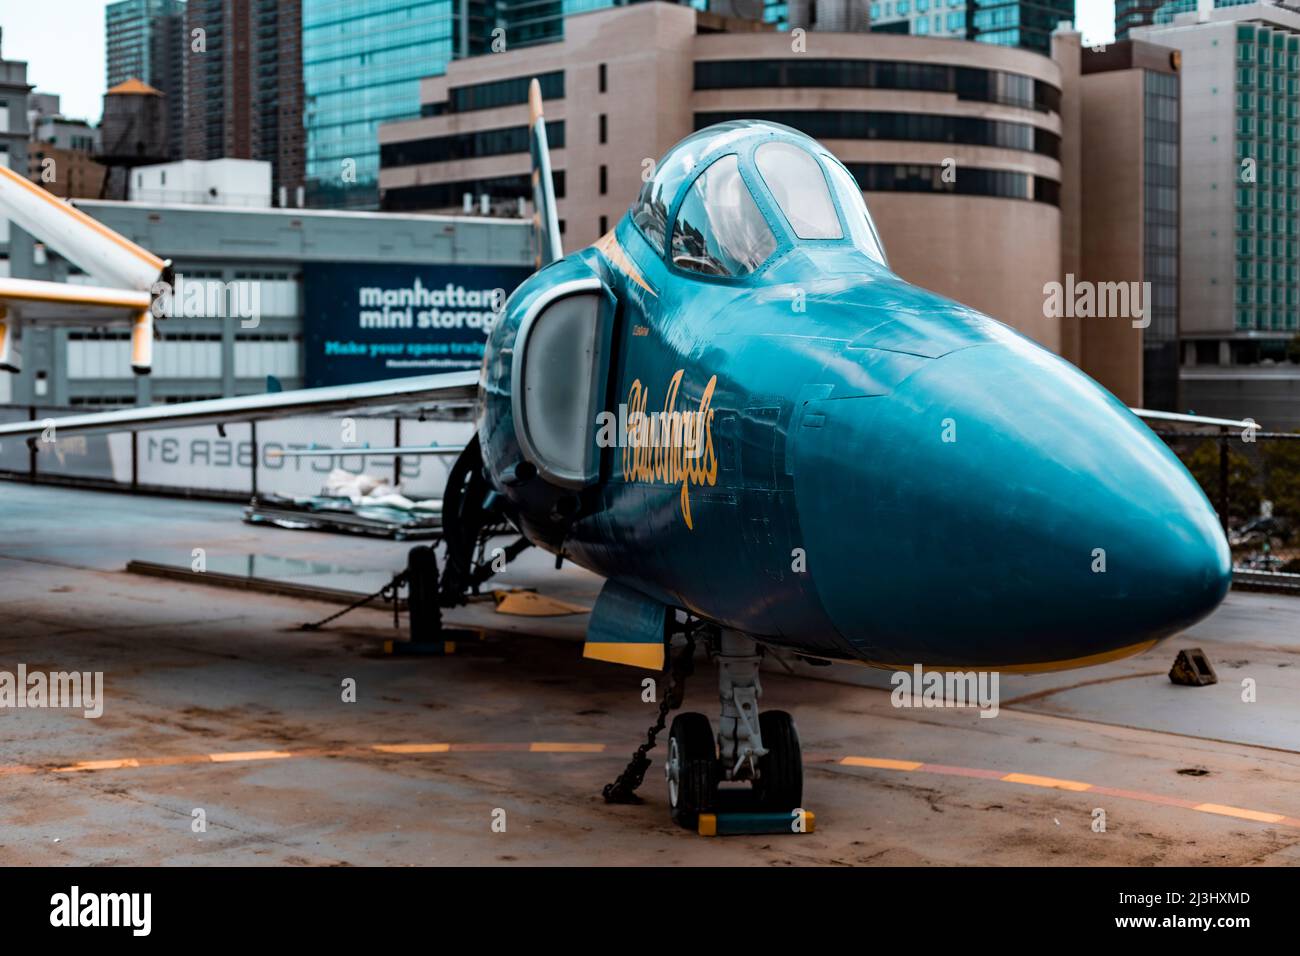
(308, 297)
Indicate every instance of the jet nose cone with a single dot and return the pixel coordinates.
(1001, 509)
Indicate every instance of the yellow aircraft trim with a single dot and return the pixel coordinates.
(649, 656)
(608, 244)
(35, 290)
(1037, 668)
(142, 254)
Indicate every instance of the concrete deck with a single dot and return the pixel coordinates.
(1185, 776)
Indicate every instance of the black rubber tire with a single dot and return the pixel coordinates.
(423, 605)
(462, 521)
(697, 786)
(779, 786)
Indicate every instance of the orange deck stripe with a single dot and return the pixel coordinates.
(561, 747)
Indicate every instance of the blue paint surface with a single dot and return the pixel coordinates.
(895, 477)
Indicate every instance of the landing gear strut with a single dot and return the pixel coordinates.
(471, 518)
(761, 749)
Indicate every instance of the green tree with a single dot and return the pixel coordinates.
(1282, 481)
(1243, 489)
(1293, 349)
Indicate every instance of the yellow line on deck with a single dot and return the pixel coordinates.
(566, 747)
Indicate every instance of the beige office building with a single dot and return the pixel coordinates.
(968, 153)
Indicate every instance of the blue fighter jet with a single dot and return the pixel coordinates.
(762, 437)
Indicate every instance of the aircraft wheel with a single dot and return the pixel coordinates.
(691, 768)
(780, 772)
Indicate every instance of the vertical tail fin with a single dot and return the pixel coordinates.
(546, 223)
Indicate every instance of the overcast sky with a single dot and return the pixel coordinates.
(63, 44)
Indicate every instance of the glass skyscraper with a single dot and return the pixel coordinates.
(362, 61)
(144, 40)
(1019, 23)
(1160, 141)
(1267, 90)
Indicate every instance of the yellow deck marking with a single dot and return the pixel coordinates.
(881, 763)
(1051, 782)
(98, 765)
(1076, 786)
(250, 755)
(565, 747)
(1255, 815)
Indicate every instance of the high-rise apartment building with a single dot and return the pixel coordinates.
(1137, 13)
(244, 86)
(145, 40)
(939, 18)
(1240, 208)
(1129, 94)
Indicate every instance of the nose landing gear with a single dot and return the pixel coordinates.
(759, 749)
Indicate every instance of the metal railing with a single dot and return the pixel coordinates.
(1253, 480)
(230, 464)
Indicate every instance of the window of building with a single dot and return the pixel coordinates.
(719, 230)
(604, 179)
(604, 225)
(604, 128)
(603, 78)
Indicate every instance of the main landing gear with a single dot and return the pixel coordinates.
(758, 749)
(472, 519)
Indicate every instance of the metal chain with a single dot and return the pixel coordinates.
(388, 592)
(623, 790)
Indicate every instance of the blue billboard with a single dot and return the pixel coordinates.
(363, 322)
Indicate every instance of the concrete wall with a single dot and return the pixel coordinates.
(1112, 247)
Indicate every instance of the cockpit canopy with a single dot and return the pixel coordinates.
(739, 190)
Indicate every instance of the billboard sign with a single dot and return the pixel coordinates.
(369, 321)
